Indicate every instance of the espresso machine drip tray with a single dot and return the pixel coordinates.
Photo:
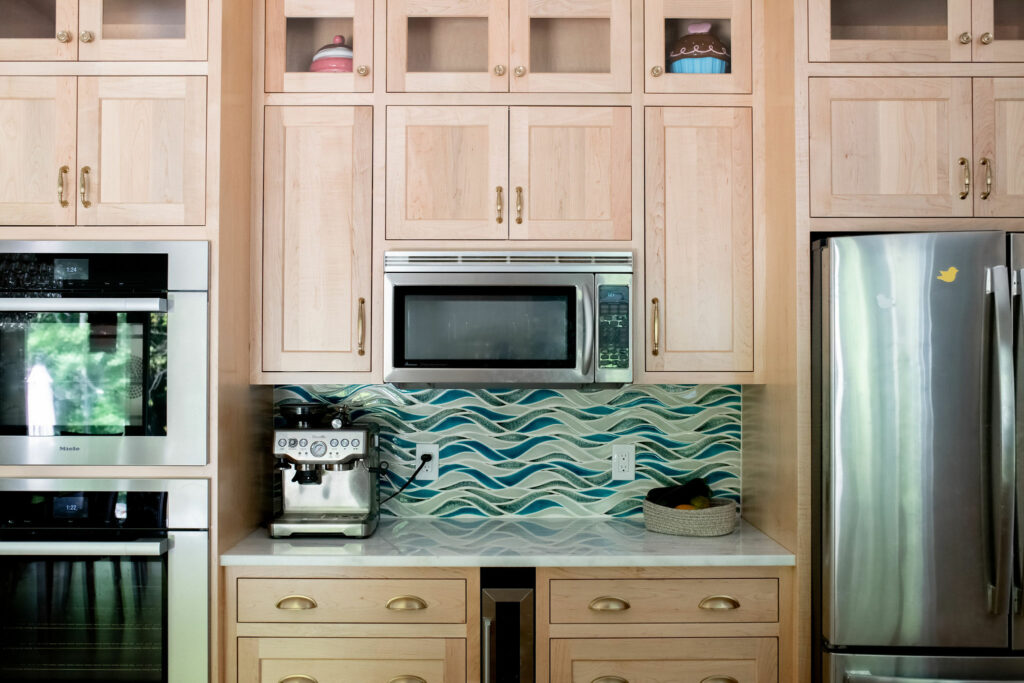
(297, 524)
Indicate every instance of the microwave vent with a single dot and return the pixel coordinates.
(622, 262)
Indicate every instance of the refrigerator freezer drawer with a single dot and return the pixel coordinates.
(840, 668)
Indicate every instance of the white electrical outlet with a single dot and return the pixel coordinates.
(623, 462)
(429, 471)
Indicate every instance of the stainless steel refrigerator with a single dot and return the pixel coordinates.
(917, 371)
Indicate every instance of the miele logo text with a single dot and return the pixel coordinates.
(70, 448)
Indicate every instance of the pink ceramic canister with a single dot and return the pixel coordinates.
(335, 58)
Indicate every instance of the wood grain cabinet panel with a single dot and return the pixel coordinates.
(664, 660)
(699, 239)
(890, 146)
(317, 238)
(30, 28)
(448, 172)
(37, 136)
(143, 143)
(999, 147)
(330, 660)
(569, 173)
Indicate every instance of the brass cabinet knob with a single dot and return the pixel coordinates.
(407, 679)
(657, 71)
(363, 70)
(499, 70)
(296, 602)
(965, 38)
(719, 602)
(86, 36)
(987, 38)
(406, 603)
(520, 71)
(63, 36)
(607, 603)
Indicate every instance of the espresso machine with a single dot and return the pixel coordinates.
(326, 478)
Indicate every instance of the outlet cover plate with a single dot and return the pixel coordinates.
(623, 462)
(429, 471)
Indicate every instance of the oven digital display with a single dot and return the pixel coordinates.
(74, 506)
(70, 269)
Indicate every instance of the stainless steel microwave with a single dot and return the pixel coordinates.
(508, 318)
(103, 349)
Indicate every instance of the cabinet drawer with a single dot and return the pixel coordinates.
(359, 601)
(663, 601)
(664, 660)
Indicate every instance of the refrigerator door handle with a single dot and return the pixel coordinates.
(1018, 339)
(1001, 441)
(857, 677)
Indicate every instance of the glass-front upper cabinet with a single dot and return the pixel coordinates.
(104, 30)
(916, 30)
(319, 46)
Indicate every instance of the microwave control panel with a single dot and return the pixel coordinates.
(613, 328)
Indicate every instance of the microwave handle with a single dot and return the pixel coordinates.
(75, 304)
(588, 332)
(151, 548)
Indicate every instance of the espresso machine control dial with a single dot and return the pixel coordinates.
(318, 449)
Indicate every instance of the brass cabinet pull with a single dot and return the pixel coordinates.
(296, 602)
(363, 70)
(967, 177)
(361, 326)
(719, 602)
(63, 36)
(406, 603)
(62, 172)
(519, 204)
(407, 679)
(501, 204)
(607, 603)
(83, 186)
(520, 71)
(987, 38)
(965, 38)
(86, 36)
(657, 71)
(499, 70)
(719, 679)
(987, 163)
(655, 325)
(298, 678)
(609, 679)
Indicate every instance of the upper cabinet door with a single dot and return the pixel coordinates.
(142, 30)
(37, 136)
(298, 29)
(316, 238)
(142, 150)
(890, 146)
(455, 45)
(569, 45)
(447, 172)
(39, 30)
(999, 147)
(699, 239)
(569, 173)
(887, 31)
(683, 40)
(998, 31)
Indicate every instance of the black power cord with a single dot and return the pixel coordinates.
(424, 459)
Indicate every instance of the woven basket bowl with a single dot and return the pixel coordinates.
(717, 520)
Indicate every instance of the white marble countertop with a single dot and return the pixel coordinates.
(503, 542)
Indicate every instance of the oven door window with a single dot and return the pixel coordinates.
(83, 374)
(83, 619)
(485, 327)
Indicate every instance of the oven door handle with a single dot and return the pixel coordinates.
(76, 304)
(147, 548)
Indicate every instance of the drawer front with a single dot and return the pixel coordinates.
(663, 601)
(352, 601)
(664, 660)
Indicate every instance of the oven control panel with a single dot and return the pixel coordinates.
(315, 446)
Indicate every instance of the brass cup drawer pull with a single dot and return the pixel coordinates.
(298, 678)
(719, 602)
(406, 603)
(609, 679)
(296, 602)
(719, 679)
(407, 679)
(606, 603)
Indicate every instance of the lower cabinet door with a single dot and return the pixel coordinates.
(366, 660)
(665, 660)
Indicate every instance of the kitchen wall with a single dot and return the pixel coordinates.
(542, 452)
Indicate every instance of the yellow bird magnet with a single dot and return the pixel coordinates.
(948, 275)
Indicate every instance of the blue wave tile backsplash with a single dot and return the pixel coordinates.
(542, 452)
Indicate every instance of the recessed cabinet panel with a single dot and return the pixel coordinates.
(142, 150)
(39, 30)
(890, 146)
(699, 239)
(448, 172)
(569, 175)
(999, 147)
(317, 238)
(135, 30)
(37, 136)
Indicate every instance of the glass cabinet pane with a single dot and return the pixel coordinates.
(447, 44)
(887, 20)
(1009, 19)
(565, 45)
(318, 45)
(143, 19)
(29, 19)
(38, 29)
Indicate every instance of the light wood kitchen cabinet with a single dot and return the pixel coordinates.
(568, 176)
(699, 239)
(297, 29)
(104, 30)
(317, 238)
(392, 660)
(916, 31)
(916, 147)
(999, 147)
(37, 135)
